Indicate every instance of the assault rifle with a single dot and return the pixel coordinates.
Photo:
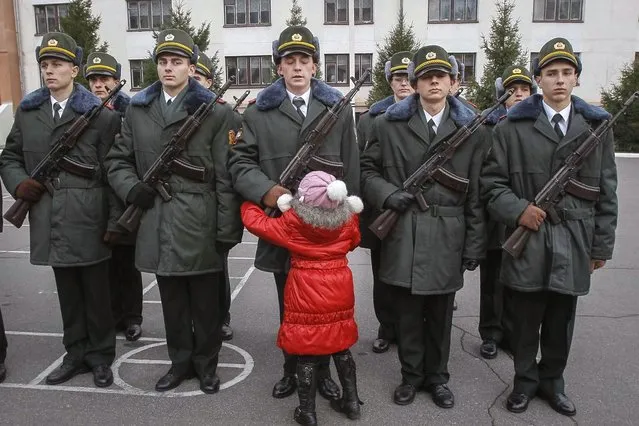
(564, 182)
(168, 162)
(306, 157)
(459, 92)
(433, 170)
(241, 99)
(56, 160)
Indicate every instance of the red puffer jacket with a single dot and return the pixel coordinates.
(318, 298)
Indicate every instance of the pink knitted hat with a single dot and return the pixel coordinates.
(320, 189)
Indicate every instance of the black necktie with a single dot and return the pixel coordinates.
(431, 130)
(557, 119)
(56, 113)
(169, 102)
(298, 102)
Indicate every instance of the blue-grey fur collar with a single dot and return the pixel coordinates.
(120, 102)
(406, 108)
(380, 107)
(81, 99)
(495, 116)
(272, 96)
(531, 107)
(195, 96)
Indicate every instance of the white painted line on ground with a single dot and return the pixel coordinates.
(59, 388)
(15, 251)
(47, 371)
(168, 362)
(153, 302)
(243, 281)
(241, 258)
(149, 287)
(627, 154)
(37, 334)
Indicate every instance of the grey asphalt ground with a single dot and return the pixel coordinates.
(602, 377)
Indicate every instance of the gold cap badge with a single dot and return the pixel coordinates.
(405, 60)
(52, 42)
(296, 37)
(169, 37)
(431, 55)
(559, 46)
(97, 60)
(516, 71)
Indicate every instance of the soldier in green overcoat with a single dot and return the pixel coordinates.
(396, 70)
(555, 267)
(70, 227)
(183, 240)
(424, 256)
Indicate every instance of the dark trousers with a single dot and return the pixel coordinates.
(89, 335)
(554, 313)
(495, 321)
(290, 361)
(423, 336)
(126, 287)
(3, 341)
(193, 313)
(227, 281)
(382, 300)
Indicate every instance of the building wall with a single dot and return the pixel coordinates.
(607, 38)
(10, 85)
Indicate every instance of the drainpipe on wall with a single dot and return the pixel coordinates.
(16, 12)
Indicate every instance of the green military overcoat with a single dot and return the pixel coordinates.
(65, 229)
(178, 237)
(525, 153)
(272, 132)
(424, 250)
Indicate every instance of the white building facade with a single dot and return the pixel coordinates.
(604, 33)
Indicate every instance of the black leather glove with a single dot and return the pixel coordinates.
(399, 201)
(141, 195)
(470, 264)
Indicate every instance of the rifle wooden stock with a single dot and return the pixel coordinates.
(516, 242)
(130, 219)
(433, 170)
(56, 159)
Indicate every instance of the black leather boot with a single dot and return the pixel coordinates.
(306, 388)
(349, 402)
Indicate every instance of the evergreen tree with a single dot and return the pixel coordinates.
(296, 18)
(627, 127)
(401, 38)
(180, 18)
(83, 27)
(503, 49)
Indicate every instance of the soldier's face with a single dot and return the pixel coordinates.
(101, 84)
(57, 74)
(206, 82)
(557, 80)
(522, 91)
(174, 71)
(297, 70)
(434, 86)
(401, 87)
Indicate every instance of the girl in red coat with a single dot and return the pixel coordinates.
(319, 226)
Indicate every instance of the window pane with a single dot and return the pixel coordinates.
(265, 14)
(230, 15)
(145, 15)
(231, 68)
(255, 70)
(471, 10)
(433, 10)
(459, 8)
(266, 70)
(134, 22)
(367, 10)
(240, 17)
(538, 10)
(357, 10)
(342, 10)
(575, 10)
(63, 10)
(166, 10)
(564, 9)
(342, 68)
(136, 73)
(444, 10)
(41, 20)
(550, 10)
(156, 12)
(254, 12)
(330, 10)
(52, 24)
(242, 70)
